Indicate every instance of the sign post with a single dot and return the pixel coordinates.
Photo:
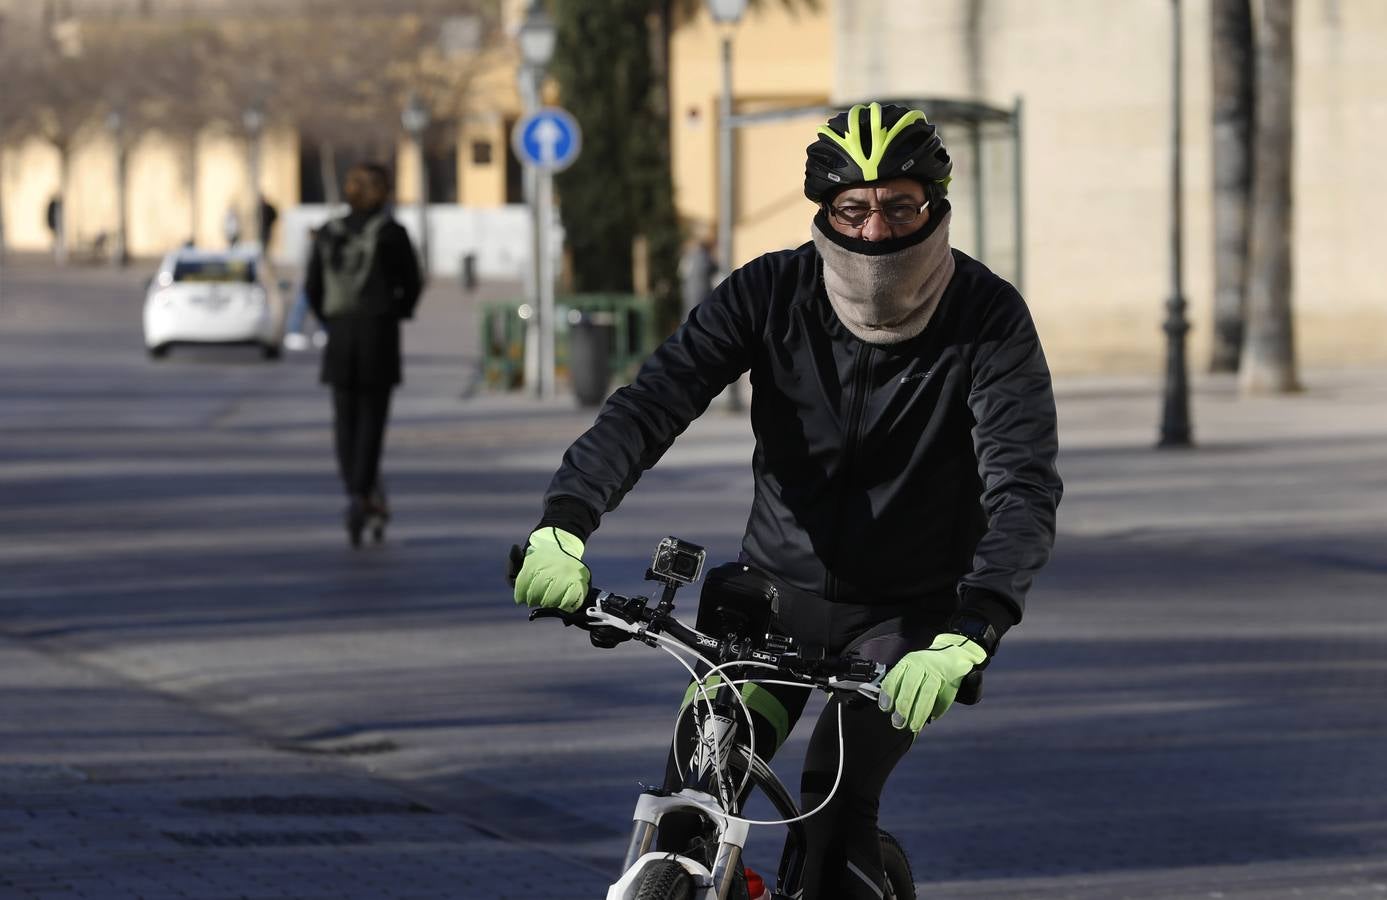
(548, 141)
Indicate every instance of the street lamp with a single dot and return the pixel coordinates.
(253, 119)
(115, 124)
(537, 37)
(415, 119)
(727, 13)
(1175, 419)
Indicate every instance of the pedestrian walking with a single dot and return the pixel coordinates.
(268, 215)
(362, 280)
(53, 216)
(906, 486)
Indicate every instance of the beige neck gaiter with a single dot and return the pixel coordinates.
(889, 298)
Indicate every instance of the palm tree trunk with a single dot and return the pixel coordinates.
(1268, 364)
(1234, 98)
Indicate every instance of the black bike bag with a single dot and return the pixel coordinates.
(736, 599)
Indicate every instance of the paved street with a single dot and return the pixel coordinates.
(204, 692)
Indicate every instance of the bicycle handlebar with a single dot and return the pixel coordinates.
(827, 672)
(823, 671)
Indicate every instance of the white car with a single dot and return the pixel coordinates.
(213, 297)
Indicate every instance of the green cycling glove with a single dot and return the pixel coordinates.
(922, 686)
(553, 574)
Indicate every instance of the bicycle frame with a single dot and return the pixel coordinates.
(710, 789)
(721, 766)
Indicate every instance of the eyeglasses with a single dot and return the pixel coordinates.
(855, 215)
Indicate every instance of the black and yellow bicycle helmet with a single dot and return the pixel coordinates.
(871, 142)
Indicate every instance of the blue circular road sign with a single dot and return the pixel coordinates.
(548, 138)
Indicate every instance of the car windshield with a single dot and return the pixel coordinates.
(214, 270)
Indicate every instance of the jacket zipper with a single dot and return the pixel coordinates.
(857, 408)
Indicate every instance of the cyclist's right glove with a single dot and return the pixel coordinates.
(553, 574)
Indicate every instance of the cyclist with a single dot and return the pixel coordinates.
(904, 467)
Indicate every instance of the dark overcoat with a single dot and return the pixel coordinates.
(363, 348)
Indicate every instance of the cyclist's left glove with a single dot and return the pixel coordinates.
(922, 686)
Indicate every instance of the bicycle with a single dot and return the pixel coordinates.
(723, 763)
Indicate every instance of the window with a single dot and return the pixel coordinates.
(220, 270)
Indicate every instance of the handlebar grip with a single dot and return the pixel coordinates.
(578, 617)
(970, 691)
(514, 561)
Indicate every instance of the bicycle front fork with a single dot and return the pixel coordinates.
(732, 833)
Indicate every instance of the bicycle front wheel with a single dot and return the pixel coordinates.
(900, 881)
(665, 880)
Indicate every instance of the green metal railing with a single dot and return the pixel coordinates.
(503, 335)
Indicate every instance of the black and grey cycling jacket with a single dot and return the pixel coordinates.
(883, 473)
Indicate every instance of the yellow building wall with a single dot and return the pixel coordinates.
(779, 58)
(483, 185)
(493, 102)
(30, 171)
(158, 214)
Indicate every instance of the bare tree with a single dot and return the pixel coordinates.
(342, 72)
(65, 98)
(1233, 105)
(1268, 364)
(179, 70)
(121, 57)
(338, 71)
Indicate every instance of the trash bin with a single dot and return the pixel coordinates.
(590, 344)
(629, 315)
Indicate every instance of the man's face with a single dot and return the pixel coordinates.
(899, 199)
(363, 190)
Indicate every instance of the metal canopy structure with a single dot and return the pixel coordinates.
(978, 166)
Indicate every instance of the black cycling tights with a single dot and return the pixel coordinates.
(842, 850)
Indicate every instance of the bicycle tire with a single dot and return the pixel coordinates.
(900, 881)
(665, 879)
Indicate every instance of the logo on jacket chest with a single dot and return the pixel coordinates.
(916, 376)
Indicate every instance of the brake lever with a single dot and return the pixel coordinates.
(578, 617)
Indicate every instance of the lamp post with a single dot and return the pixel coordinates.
(1175, 418)
(727, 13)
(115, 124)
(537, 37)
(253, 120)
(415, 119)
